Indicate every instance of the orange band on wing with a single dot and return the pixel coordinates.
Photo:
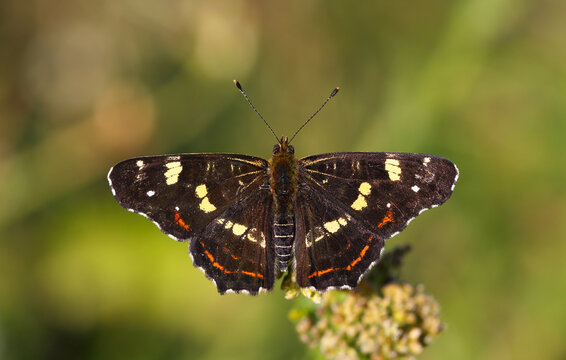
(226, 271)
(347, 268)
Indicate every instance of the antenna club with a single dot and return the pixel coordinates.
(237, 83)
(335, 91)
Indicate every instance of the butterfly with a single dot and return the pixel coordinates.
(247, 220)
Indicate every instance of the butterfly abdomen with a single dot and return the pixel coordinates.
(283, 181)
(284, 236)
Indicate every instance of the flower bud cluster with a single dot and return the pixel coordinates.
(397, 322)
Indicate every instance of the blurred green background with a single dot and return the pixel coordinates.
(85, 84)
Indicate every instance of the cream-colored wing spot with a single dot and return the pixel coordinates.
(201, 191)
(239, 229)
(426, 160)
(415, 188)
(140, 164)
(365, 188)
(172, 174)
(360, 203)
(393, 169)
(254, 235)
(332, 226)
(206, 205)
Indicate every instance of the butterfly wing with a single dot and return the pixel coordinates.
(348, 203)
(212, 200)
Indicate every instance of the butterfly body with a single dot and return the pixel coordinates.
(282, 172)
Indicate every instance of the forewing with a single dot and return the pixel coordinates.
(183, 193)
(385, 191)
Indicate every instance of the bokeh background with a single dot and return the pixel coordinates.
(85, 84)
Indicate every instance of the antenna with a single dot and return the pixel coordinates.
(254, 109)
(334, 92)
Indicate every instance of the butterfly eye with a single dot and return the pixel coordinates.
(276, 149)
(291, 149)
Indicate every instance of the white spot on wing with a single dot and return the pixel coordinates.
(456, 178)
(426, 160)
(110, 181)
(139, 164)
(415, 188)
(150, 193)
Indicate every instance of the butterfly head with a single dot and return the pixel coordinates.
(283, 147)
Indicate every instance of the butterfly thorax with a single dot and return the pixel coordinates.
(283, 181)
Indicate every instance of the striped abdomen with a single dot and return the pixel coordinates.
(284, 235)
